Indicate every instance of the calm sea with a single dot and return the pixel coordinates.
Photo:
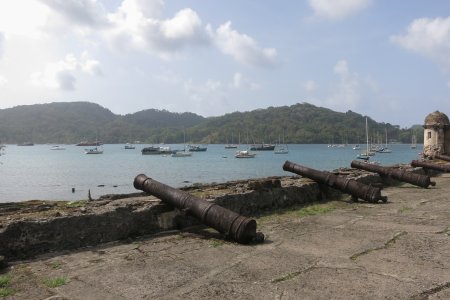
(36, 172)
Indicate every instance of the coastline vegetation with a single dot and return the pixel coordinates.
(302, 123)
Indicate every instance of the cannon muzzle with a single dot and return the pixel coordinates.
(237, 227)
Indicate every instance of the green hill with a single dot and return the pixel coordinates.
(300, 123)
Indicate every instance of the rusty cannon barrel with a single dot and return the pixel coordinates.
(233, 225)
(354, 188)
(442, 157)
(399, 174)
(430, 165)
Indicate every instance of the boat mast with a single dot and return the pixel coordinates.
(367, 139)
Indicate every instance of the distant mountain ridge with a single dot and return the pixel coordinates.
(71, 122)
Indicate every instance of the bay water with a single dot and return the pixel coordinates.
(36, 172)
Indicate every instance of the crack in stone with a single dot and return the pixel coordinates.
(291, 275)
(444, 231)
(386, 245)
(392, 276)
(427, 293)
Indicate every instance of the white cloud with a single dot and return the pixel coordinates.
(337, 9)
(205, 98)
(88, 13)
(210, 97)
(341, 68)
(136, 26)
(242, 47)
(310, 86)
(241, 82)
(3, 80)
(350, 89)
(428, 37)
(62, 74)
(23, 17)
(2, 40)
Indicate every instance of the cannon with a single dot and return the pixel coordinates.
(399, 174)
(430, 165)
(239, 228)
(354, 188)
(442, 157)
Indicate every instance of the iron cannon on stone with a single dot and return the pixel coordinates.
(442, 157)
(398, 174)
(432, 166)
(234, 226)
(354, 188)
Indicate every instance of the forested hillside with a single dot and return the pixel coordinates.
(300, 123)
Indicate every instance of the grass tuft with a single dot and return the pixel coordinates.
(80, 203)
(56, 265)
(55, 282)
(4, 281)
(404, 209)
(314, 210)
(300, 212)
(4, 289)
(5, 292)
(216, 243)
(285, 277)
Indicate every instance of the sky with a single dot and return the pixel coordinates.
(386, 59)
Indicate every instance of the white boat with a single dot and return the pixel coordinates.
(244, 154)
(368, 153)
(93, 151)
(183, 153)
(385, 149)
(413, 142)
(281, 148)
(129, 146)
(232, 145)
(356, 147)
(57, 148)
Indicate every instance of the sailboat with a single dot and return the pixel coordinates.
(94, 150)
(365, 156)
(183, 153)
(244, 153)
(232, 145)
(129, 146)
(385, 149)
(413, 142)
(57, 147)
(281, 148)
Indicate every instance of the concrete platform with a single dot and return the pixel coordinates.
(331, 250)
